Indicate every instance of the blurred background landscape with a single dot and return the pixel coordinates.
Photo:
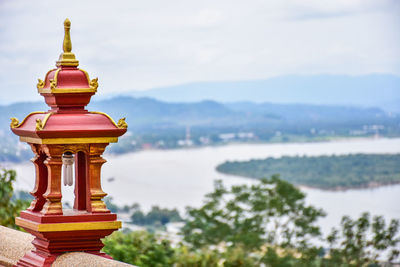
(229, 90)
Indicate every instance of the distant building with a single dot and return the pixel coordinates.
(188, 141)
(227, 137)
(245, 135)
(204, 140)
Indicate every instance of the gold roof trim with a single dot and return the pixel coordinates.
(15, 122)
(78, 140)
(56, 76)
(93, 85)
(66, 90)
(86, 74)
(61, 227)
(42, 83)
(40, 124)
(121, 122)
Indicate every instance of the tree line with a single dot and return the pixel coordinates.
(326, 172)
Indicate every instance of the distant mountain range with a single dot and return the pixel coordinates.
(163, 124)
(148, 112)
(282, 109)
(375, 90)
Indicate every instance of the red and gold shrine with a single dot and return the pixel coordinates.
(64, 136)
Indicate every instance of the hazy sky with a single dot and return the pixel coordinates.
(135, 45)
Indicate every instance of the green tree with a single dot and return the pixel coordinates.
(110, 204)
(360, 242)
(139, 248)
(270, 212)
(9, 208)
(155, 217)
(265, 223)
(185, 257)
(326, 172)
(148, 250)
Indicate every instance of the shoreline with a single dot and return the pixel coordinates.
(371, 185)
(316, 141)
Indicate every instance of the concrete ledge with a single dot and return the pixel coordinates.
(14, 244)
(77, 259)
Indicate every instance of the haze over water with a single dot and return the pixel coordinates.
(180, 178)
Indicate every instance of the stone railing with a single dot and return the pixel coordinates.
(14, 244)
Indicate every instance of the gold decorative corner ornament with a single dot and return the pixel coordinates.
(53, 84)
(14, 123)
(94, 84)
(122, 123)
(67, 58)
(40, 84)
(39, 125)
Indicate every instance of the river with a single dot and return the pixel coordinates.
(180, 178)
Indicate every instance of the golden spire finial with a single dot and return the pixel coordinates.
(67, 45)
(67, 58)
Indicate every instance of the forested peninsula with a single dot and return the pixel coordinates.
(324, 172)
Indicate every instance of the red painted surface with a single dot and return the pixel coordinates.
(67, 102)
(82, 193)
(68, 216)
(67, 78)
(36, 258)
(69, 125)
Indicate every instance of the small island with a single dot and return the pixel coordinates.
(324, 172)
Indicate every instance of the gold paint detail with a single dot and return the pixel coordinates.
(86, 74)
(14, 121)
(40, 84)
(66, 90)
(56, 75)
(78, 140)
(67, 58)
(67, 44)
(94, 84)
(122, 123)
(45, 77)
(53, 84)
(62, 227)
(43, 123)
(39, 125)
(105, 114)
(75, 148)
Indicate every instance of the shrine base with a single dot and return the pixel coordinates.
(74, 231)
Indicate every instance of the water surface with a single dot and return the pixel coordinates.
(180, 178)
